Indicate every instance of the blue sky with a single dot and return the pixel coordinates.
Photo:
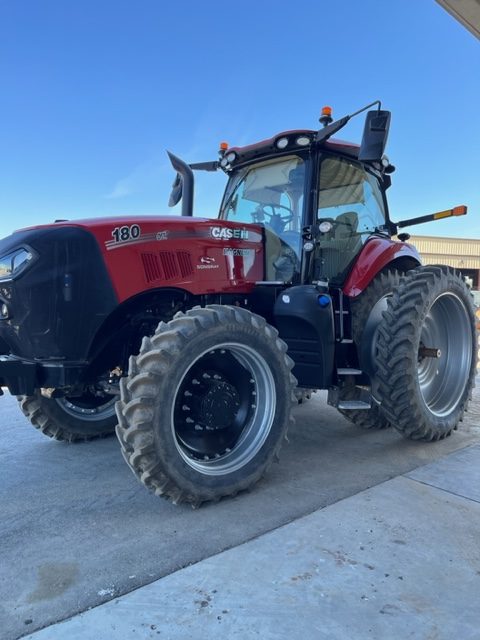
(92, 93)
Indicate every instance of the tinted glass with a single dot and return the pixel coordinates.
(271, 193)
(350, 201)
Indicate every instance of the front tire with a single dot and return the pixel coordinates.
(427, 353)
(206, 405)
(71, 419)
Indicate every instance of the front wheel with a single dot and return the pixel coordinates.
(206, 404)
(85, 417)
(427, 353)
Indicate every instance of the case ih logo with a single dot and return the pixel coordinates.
(225, 233)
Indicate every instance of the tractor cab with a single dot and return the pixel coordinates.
(318, 199)
(315, 193)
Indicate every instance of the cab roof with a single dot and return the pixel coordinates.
(269, 145)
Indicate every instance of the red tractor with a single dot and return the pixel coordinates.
(192, 336)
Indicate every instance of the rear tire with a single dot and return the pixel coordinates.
(70, 419)
(367, 311)
(425, 397)
(206, 405)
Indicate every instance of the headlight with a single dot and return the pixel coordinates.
(13, 263)
(303, 141)
(282, 143)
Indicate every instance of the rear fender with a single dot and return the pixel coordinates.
(377, 254)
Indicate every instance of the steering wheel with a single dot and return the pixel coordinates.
(277, 216)
(276, 221)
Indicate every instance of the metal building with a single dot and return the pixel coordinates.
(461, 253)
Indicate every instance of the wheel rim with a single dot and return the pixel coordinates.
(442, 379)
(89, 407)
(217, 424)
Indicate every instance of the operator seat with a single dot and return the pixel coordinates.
(341, 246)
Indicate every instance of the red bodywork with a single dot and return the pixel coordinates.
(375, 255)
(193, 254)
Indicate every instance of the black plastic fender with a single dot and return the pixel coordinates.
(304, 318)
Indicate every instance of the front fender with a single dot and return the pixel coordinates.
(377, 254)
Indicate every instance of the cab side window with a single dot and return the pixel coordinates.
(345, 187)
(350, 206)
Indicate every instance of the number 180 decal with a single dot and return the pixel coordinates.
(125, 233)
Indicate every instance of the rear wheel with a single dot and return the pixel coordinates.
(206, 404)
(71, 419)
(367, 310)
(427, 353)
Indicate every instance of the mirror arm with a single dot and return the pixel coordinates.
(205, 166)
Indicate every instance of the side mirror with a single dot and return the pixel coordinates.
(375, 134)
(176, 193)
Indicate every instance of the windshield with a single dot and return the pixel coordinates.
(269, 192)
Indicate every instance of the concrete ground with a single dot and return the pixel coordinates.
(78, 530)
(401, 560)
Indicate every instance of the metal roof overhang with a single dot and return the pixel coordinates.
(467, 12)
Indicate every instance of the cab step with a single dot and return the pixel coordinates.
(347, 371)
(354, 405)
(361, 401)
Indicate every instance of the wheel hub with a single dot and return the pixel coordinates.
(219, 405)
(215, 403)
